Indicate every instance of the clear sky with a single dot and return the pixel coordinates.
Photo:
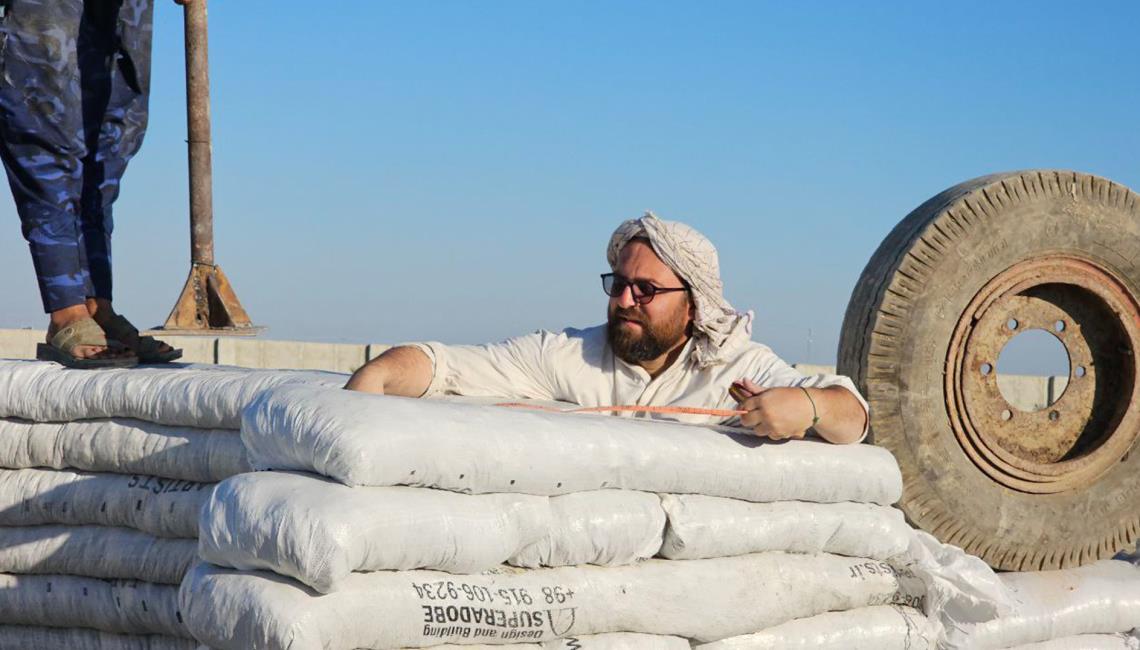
(452, 170)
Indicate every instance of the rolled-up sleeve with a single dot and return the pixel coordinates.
(513, 369)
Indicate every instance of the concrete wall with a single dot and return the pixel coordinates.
(1028, 393)
(230, 350)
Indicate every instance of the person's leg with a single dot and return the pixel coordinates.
(41, 146)
(114, 64)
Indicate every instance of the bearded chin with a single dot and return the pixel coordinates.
(633, 348)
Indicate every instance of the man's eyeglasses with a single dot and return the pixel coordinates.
(642, 290)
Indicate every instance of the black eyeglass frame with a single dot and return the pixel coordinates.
(642, 291)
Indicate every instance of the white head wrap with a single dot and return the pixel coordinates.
(718, 327)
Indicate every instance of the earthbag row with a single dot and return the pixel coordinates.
(123, 447)
(361, 439)
(1086, 642)
(96, 552)
(115, 606)
(612, 641)
(704, 600)
(205, 396)
(1099, 598)
(879, 627)
(158, 506)
(702, 527)
(319, 531)
(28, 637)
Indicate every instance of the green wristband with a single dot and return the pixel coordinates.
(814, 413)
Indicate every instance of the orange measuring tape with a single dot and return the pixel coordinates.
(688, 410)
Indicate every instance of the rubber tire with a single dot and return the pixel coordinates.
(894, 344)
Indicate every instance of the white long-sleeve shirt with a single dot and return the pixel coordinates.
(578, 366)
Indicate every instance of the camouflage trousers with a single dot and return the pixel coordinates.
(74, 81)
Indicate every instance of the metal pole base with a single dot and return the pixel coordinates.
(208, 305)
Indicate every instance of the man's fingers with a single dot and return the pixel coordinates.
(752, 386)
(738, 393)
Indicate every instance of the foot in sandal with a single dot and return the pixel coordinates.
(118, 328)
(75, 340)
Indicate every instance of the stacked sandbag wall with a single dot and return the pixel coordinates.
(102, 478)
(385, 522)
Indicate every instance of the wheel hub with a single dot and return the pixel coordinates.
(1080, 436)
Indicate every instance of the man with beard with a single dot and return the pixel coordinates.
(670, 340)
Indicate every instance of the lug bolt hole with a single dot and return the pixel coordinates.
(1012, 324)
(1007, 415)
(1080, 372)
(1059, 326)
(986, 369)
(1054, 416)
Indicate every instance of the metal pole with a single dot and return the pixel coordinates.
(198, 129)
(208, 302)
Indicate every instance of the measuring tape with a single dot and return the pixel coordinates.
(687, 410)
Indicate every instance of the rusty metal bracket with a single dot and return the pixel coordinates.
(208, 303)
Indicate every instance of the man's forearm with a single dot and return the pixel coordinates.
(841, 416)
(405, 371)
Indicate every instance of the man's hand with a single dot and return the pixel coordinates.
(781, 413)
(776, 413)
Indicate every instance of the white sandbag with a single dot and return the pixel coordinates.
(363, 439)
(207, 396)
(117, 606)
(603, 527)
(1086, 642)
(704, 600)
(159, 506)
(1100, 598)
(958, 586)
(318, 531)
(26, 637)
(881, 627)
(618, 641)
(123, 447)
(701, 526)
(96, 552)
(613, 641)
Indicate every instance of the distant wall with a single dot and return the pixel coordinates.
(1025, 391)
(231, 351)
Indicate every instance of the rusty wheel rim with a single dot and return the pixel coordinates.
(1088, 429)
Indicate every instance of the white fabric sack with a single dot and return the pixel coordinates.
(363, 439)
(207, 396)
(318, 531)
(117, 606)
(603, 527)
(881, 627)
(612, 641)
(26, 637)
(163, 507)
(704, 600)
(96, 552)
(1086, 642)
(959, 587)
(701, 527)
(1100, 598)
(124, 447)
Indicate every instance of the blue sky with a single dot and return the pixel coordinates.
(452, 170)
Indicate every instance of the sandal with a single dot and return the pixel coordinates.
(82, 332)
(148, 348)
